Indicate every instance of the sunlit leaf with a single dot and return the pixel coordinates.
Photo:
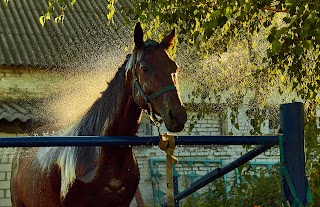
(59, 19)
(228, 11)
(282, 78)
(42, 20)
(110, 15)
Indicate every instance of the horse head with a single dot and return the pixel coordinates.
(154, 82)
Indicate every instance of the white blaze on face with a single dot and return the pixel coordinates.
(115, 183)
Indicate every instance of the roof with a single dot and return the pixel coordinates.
(11, 111)
(85, 30)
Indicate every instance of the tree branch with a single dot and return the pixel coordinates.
(274, 10)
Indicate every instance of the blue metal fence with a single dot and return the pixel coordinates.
(134, 141)
(185, 172)
(291, 121)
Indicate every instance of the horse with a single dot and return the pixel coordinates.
(104, 176)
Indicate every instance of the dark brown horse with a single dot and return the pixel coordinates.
(103, 176)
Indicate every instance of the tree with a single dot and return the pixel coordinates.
(292, 29)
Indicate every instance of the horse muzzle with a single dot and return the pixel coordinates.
(175, 119)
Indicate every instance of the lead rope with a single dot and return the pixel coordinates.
(166, 144)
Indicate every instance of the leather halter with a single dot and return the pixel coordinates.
(148, 98)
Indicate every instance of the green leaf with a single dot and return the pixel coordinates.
(222, 21)
(288, 41)
(208, 32)
(214, 23)
(244, 186)
(286, 19)
(298, 50)
(271, 38)
(248, 178)
(307, 44)
(196, 34)
(280, 32)
(276, 46)
(197, 44)
(247, 7)
(215, 14)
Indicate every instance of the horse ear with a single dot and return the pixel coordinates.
(168, 41)
(138, 36)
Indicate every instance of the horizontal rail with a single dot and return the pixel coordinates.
(47, 141)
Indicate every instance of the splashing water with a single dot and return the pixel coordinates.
(77, 89)
(84, 80)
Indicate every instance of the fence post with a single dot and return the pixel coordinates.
(292, 128)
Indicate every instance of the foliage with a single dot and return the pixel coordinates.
(314, 180)
(256, 187)
(291, 28)
(293, 34)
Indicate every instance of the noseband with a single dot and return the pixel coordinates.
(148, 98)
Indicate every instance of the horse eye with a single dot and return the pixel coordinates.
(144, 69)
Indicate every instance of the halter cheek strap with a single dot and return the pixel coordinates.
(153, 96)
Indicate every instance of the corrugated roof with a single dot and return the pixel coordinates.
(85, 31)
(11, 111)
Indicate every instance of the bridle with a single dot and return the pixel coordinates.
(148, 98)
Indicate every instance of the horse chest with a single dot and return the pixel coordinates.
(114, 185)
(102, 193)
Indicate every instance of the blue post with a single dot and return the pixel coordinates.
(292, 128)
(175, 185)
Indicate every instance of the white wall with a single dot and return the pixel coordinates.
(24, 82)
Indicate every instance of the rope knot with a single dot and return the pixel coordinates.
(167, 144)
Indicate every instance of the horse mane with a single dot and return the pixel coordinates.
(99, 117)
(79, 162)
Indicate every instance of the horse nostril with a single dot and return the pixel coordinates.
(177, 116)
(171, 116)
(176, 119)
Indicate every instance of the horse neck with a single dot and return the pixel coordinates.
(114, 113)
